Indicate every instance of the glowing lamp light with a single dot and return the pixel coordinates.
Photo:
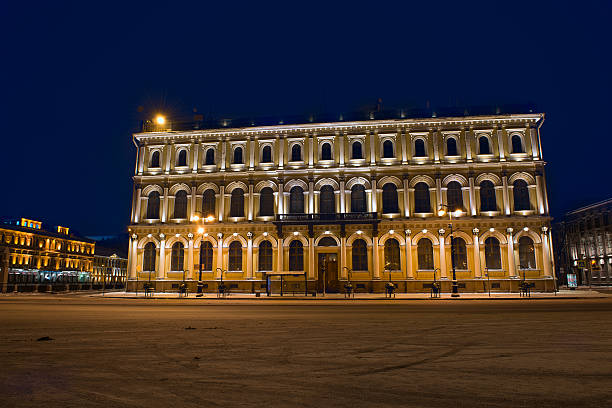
(210, 218)
(391, 232)
(206, 234)
(525, 229)
(491, 229)
(200, 230)
(160, 120)
(359, 232)
(149, 236)
(265, 234)
(457, 213)
(327, 232)
(295, 233)
(441, 212)
(235, 234)
(195, 218)
(424, 231)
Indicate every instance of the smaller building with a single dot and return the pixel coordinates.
(108, 270)
(33, 258)
(584, 244)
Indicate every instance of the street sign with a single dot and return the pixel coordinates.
(581, 264)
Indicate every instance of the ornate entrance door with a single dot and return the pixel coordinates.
(328, 273)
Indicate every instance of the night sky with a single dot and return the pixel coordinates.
(77, 79)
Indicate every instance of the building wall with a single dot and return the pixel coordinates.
(404, 170)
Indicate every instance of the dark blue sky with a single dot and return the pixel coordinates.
(73, 76)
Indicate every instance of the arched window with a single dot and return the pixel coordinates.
(177, 257)
(517, 144)
(460, 253)
(266, 154)
(180, 204)
(454, 197)
(210, 157)
(154, 159)
(326, 153)
(392, 255)
(521, 196)
(238, 155)
(451, 147)
(328, 201)
(237, 203)
(208, 203)
(153, 205)
(182, 158)
(421, 198)
(358, 198)
(388, 149)
(360, 255)
(483, 145)
(357, 150)
(296, 153)
(526, 253)
(389, 198)
(327, 242)
(148, 263)
(266, 202)
(492, 253)
(419, 148)
(207, 256)
(265, 256)
(235, 256)
(296, 200)
(487, 196)
(296, 256)
(425, 254)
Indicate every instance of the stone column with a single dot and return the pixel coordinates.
(500, 142)
(439, 199)
(539, 193)
(376, 264)
(476, 245)
(168, 149)
(472, 197)
(468, 145)
(221, 202)
(409, 271)
(311, 194)
(219, 255)
(310, 150)
(249, 255)
(251, 147)
(406, 197)
(311, 257)
(133, 260)
(137, 209)
(165, 205)
(534, 142)
(223, 154)
(434, 137)
(374, 194)
(372, 149)
(250, 202)
(505, 194)
(280, 263)
(342, 196)
(341, 142)
(546, 256)
(280, 198)
(511, 259)
(443, 270)
(194, 195)
(196, 151)
(161, 265)
(190, 256)
(281, 150)
(404, 141)
(140, 157)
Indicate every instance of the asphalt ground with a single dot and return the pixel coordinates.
(110, 352)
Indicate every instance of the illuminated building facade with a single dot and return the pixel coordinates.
(343, 200)
(109, 270)
(35, 258)
(585, 234)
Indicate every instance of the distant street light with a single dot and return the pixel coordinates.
(456, 213)
(160, 120)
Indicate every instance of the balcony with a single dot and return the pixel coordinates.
(327, 218)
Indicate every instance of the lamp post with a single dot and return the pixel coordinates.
(457, 213)
(197, 218)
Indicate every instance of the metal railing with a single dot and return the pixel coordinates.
(352, 216)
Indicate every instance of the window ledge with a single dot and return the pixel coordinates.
(265, 217)
(209, 168)
(236, 219)
(357, 162)
(524, 212)
(391, 215)
(490, 213)
(237, 166)
(423, 215)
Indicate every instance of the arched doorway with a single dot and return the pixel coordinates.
(327, 266)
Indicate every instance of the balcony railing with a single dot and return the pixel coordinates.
(327, 217)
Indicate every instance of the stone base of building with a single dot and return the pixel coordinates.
(298, 288)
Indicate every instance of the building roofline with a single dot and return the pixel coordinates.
(590, 206)
(46, 233)
(434, 121)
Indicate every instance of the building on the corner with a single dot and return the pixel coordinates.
(109, 268)
(583, 241)
(35, 258)
(343, 200)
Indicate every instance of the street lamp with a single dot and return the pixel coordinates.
(456, 213)
(197, 218)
